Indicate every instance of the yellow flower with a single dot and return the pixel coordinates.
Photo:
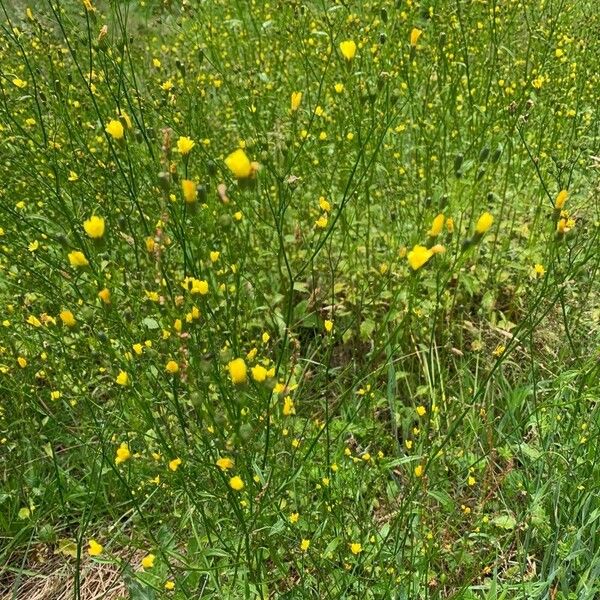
(288, 406)
(564, 225)
(190, 190)
(122, 378)
(437, 225)
(418, 256)
(294, 517)
(415, 34)
(484, 223)
(239, 164)
(22, 362)
(471, 480)
(304, 545)
(175, 464)
(236, 483)
(185, 145)
(450, 225)
(33, 320)
(539, 270)
(20, 83)
(225, 463)
(169, 585)
(148, 561)
(78, 259)
(172, 367)
(123, 453)
(538, 82)
(328, 326)
(214, 256)
(115, 129)
(237, 371)
(199, 286)
(94, 548)
(348, 49)
(94, 227)
(421, 411)
(296, 100)
(259, 373)
(499, 350)
(104, 295)
(321, 222)
(419, 471)
(355, 548)
(66, 316)
(561, 199)
(324, 204)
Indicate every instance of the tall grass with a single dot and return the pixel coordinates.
(357, 359)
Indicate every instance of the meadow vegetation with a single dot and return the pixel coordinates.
(299, 299)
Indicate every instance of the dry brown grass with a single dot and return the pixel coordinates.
(55, 580)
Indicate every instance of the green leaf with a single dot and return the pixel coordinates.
(138, 591)
(331, 547)
(277, 528)
(151, 323)
(366, 328)
(67, 548)
(506, 521)
(443, 498)
(529, 451)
